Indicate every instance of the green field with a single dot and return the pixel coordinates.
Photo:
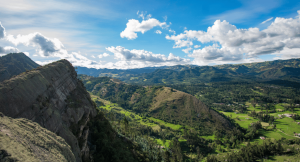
(285, 126)
(147, 121)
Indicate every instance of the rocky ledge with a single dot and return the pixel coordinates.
(53, 97)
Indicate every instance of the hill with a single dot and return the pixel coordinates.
(14, 64)
(24, 140)
(164, 103)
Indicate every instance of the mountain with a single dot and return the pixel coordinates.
(190, 74)
(126, 74)
(24, 140)
(14, 64)
(51, 117)
(54, 98)
(164, 103)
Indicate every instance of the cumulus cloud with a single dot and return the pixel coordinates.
(2, 31)
(8, 49)
(103, 55)
(133, 26)
(45, 46)
(197, 46)
(269, 19)
(158, 32)
(232, 44)
(123, 54)
(187, 50)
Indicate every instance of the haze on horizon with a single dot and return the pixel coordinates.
(137, 34)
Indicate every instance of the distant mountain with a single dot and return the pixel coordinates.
(126, 73)
(15, 64)
(189, 74)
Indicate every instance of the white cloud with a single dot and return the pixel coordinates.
(158, 32)
(197, 46)
(2, 31)
(187, 50)
(103, 55)
(123, 54)
(45, 46)
(8, 49)
(269, 19)
(172, 31)
(233, 44)
(133, 26)
(141, 14)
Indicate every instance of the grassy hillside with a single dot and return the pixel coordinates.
(24, 140)
(164, 103)
(15, 63)
(165, 113)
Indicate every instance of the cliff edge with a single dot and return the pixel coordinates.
(53, 97)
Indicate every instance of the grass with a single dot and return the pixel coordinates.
(148, 121)
(161, 122)
(285, 158)
(242, 119)
(285, 126)
(160, 142)
(28, 141)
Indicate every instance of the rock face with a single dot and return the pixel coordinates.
(24, 140)
(15, 64)
(53, 97)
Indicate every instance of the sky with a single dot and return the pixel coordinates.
(135, 34)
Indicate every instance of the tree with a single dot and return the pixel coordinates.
(125, 121)
(199, 155)
(167, 156)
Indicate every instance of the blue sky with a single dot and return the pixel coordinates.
(135, 34)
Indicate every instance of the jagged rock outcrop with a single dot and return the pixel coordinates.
(53, 97)
(24, 140)
(15, 64)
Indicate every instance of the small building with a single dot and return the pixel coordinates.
(288, 115)
(263, 138)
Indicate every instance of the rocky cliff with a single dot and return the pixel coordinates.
(24, 140)
(15, 64)
(53, 97)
